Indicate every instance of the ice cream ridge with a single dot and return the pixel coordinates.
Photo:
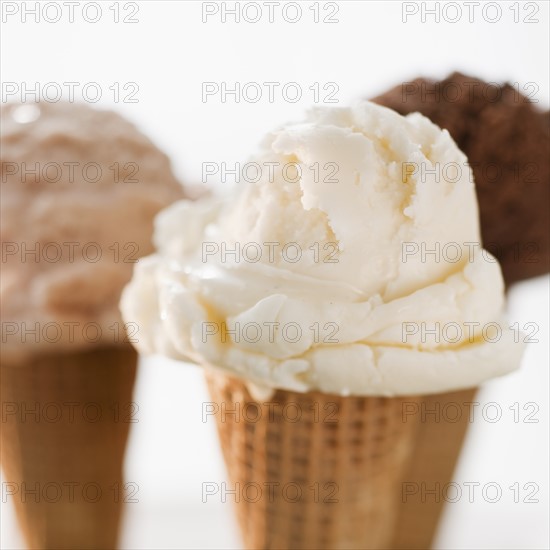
(80, 188)
(350, 263)
(506, 137)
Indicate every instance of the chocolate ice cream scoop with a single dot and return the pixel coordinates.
(506, 138)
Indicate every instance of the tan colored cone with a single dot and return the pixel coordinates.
(444, 420)
(65, 422)
(344, 456)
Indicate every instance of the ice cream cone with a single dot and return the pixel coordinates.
(370, 320)
(313, 470)
(444, 419)
(65, 422)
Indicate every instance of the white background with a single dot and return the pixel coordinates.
(169, 53)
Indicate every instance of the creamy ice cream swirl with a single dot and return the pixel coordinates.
(349, 262)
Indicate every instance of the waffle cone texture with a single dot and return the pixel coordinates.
(442, 426)
(65, 423)
(314, 470)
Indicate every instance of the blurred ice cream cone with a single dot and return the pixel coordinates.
(65, 423)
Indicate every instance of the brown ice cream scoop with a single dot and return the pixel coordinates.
(80, 190)
(506, 138)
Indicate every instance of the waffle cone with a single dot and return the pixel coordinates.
(313, 470)
(65, 422)
(443, 424)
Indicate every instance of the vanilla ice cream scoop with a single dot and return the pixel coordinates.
(348, 260)
(80, 188)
